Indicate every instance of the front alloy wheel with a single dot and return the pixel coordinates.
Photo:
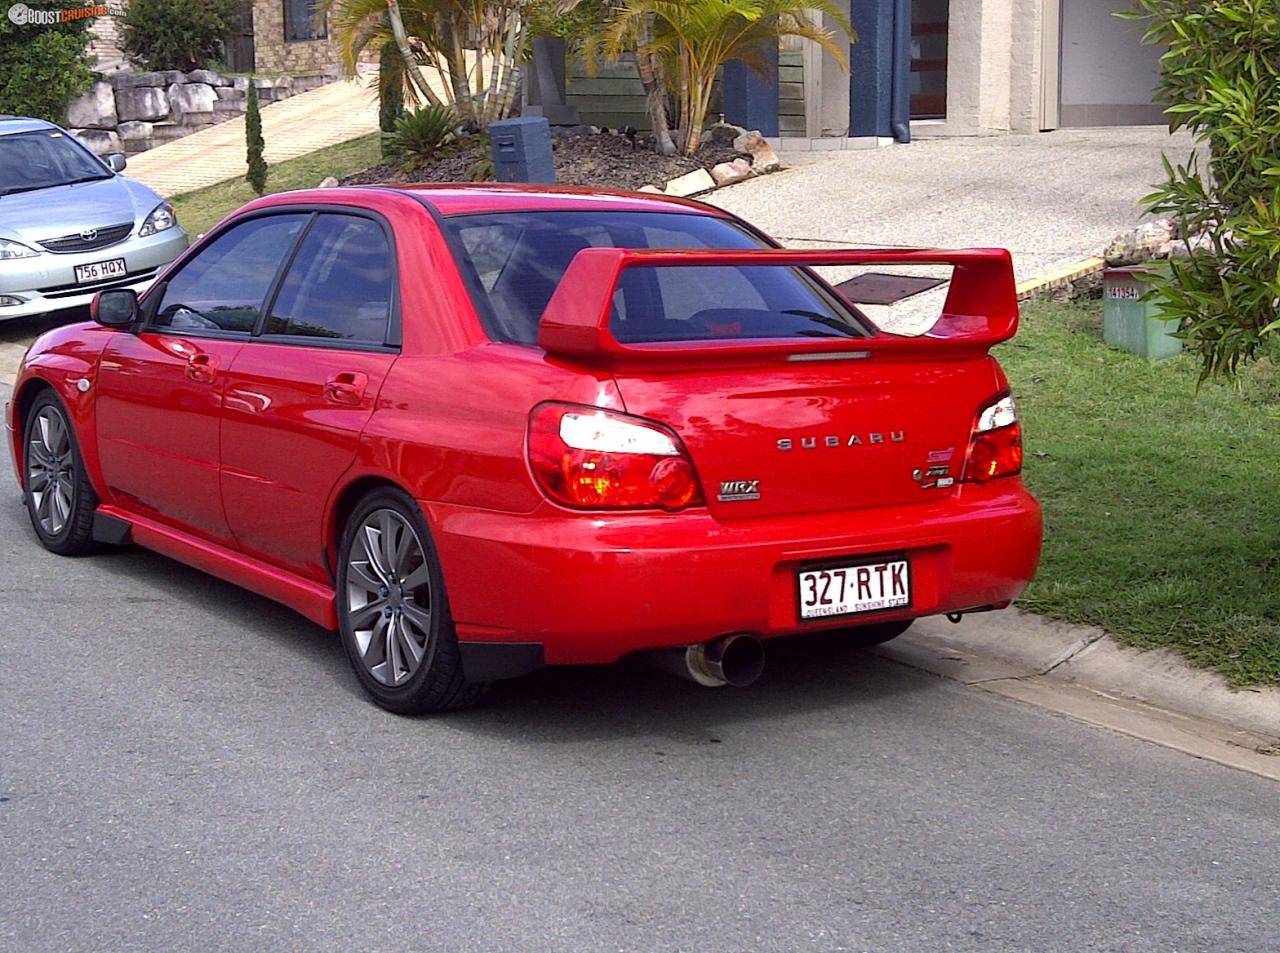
(59, 498)
(393, 612)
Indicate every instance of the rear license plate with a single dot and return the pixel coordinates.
(100, 271)
(854, 588)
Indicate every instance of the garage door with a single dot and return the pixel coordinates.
(1107, 76)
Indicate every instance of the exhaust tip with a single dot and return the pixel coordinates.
(736, 660)
(741, 659)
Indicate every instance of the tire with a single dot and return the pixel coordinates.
(865, 636)
(399, 639)
(59, 498)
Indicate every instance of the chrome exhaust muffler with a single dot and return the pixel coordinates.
(729, 660)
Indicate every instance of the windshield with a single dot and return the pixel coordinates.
(515, 260)
(44, 158)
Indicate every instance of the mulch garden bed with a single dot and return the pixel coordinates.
(600, 159)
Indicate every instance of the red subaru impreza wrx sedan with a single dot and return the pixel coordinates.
(478, 429)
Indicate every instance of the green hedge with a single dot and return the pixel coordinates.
(42, 68)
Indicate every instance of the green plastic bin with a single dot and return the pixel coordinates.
(1130, 323)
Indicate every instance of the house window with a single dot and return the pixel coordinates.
(303, 20)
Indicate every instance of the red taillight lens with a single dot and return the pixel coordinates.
(995, 449)
(597, 459)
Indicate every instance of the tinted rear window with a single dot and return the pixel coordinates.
(514, 262)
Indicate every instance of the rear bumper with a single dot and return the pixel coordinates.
(590, 589)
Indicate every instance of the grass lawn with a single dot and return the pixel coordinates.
(200, 210)
(1162, 516)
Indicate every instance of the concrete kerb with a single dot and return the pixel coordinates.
(1067, 279)
(1083, 672)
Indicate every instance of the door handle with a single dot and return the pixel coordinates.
(202, 368)
(346, 388)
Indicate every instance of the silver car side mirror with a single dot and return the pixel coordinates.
(116, 162)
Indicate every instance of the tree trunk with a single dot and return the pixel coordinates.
(653, 77)
(416, 79)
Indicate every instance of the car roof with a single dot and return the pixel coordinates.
(472, 198)
(9, 125)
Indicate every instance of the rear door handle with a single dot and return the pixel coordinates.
(346, 388)
(202, 368)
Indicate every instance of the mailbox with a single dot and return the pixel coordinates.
(522, 150)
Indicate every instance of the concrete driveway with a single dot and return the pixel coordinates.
(1051, 198)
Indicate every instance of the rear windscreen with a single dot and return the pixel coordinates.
(514, 261)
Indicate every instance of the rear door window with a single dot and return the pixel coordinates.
(515, 261)
(339, 285)
(222, 289)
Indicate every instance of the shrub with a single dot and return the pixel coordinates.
(42, 68)
(420, 135)
(257, 174)
(177, 34)
(1220, 78)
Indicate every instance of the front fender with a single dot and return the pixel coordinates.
(67, 363)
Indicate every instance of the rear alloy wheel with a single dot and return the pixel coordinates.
(59, 498)
(393, 612)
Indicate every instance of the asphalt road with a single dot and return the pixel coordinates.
(185, 767)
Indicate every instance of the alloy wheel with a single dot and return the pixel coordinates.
(389, 599)
(51, 470)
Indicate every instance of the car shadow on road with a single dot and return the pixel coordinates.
(803, 675)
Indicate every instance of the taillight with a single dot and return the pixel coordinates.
(995, 449)
(598, 459)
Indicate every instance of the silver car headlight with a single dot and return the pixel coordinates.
(11, 249)
(162, 217)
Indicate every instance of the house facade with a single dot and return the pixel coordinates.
(282, 36)
(965, 67)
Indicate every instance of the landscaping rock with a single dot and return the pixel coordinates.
(208, 77)
(127, 80)
(96, 109)
(101, 141)
(133, 131)
(241, 83)
(192, 103)
(232, 92)
(172, 76)
(142, 102)
(699, 180)
(725, 134)
(763, 158)
(727, 173)
(1149, 240)
(651, 190)
(328, 182)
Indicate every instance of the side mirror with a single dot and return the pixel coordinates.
(115, 309)
(116, 162)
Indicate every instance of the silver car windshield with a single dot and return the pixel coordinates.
(42, 159)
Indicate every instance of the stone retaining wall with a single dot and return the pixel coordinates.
(133, 112)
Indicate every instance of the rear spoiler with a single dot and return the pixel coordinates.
(981, 308)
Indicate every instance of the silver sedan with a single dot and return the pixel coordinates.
(71, 225)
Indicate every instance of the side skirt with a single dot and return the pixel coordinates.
(311, 599)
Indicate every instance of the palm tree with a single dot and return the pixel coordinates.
(474, 45)
(692, 39)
